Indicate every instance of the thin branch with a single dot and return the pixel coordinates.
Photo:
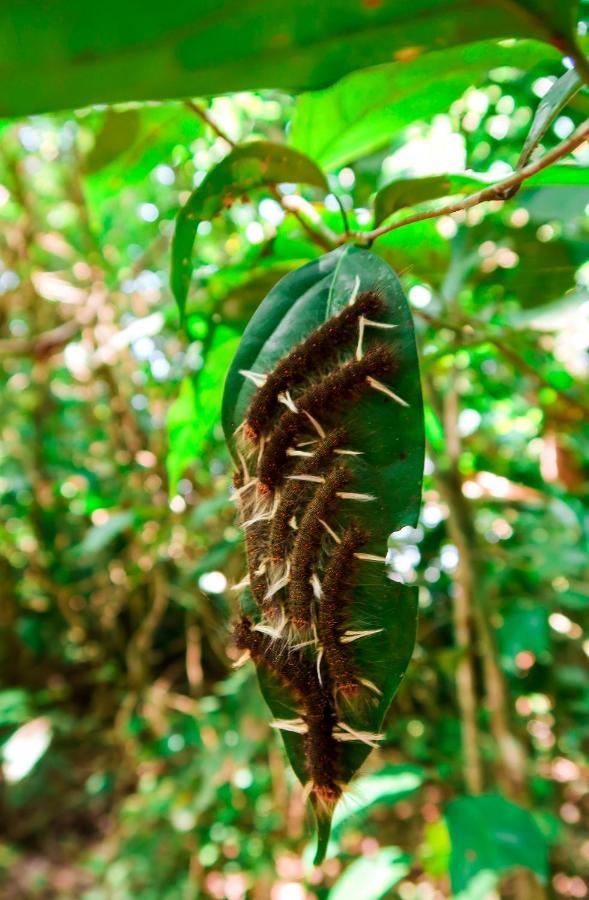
(502, 190)
(325, 238)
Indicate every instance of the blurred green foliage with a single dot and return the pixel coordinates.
(135, 762)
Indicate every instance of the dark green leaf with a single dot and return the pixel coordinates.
(391, 439)
(549, 107)
(67, 54)
(367, 109)
(491, 833)
(247, 167)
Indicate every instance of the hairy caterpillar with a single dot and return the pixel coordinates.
(336, 589)
(325, 398)
(320, 346)
(308, 544)
(336, 418)
(296, 491)
(317, 709)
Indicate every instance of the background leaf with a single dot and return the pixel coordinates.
(489, 832)
(119, 130)
(247, 167)
(563, 90)
(195, 412)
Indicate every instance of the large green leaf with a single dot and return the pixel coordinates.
(491, 833)
(367, 109)
(245, 168)
(392, 443)
(68, 54)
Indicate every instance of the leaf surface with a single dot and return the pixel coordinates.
(67, 54)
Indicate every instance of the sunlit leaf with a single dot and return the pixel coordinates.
(368, 109)
(197, 408)
(371, 877)
(563, 90)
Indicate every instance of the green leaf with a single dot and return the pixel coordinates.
(405, 192)
(66, 54)
(563, 90)
(119, 130)
(370, 877)
(410, 191)
(368, 109)
(392, 442)
(247, 167)
(196, 410)
(525, 628)
(491, 833)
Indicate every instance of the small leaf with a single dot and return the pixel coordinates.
(371, 877)
(248, 166)
(563, 90)
(491, 833)
(524, 629)
(119, 130)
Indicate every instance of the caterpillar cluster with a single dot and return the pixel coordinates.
(295, 478)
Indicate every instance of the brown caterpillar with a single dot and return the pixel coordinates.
(299, 675)
(295, 492)
(305, 358)
(336, 588)
(344, 385)
(307, 547)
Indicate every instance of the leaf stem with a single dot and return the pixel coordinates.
(502, 190)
